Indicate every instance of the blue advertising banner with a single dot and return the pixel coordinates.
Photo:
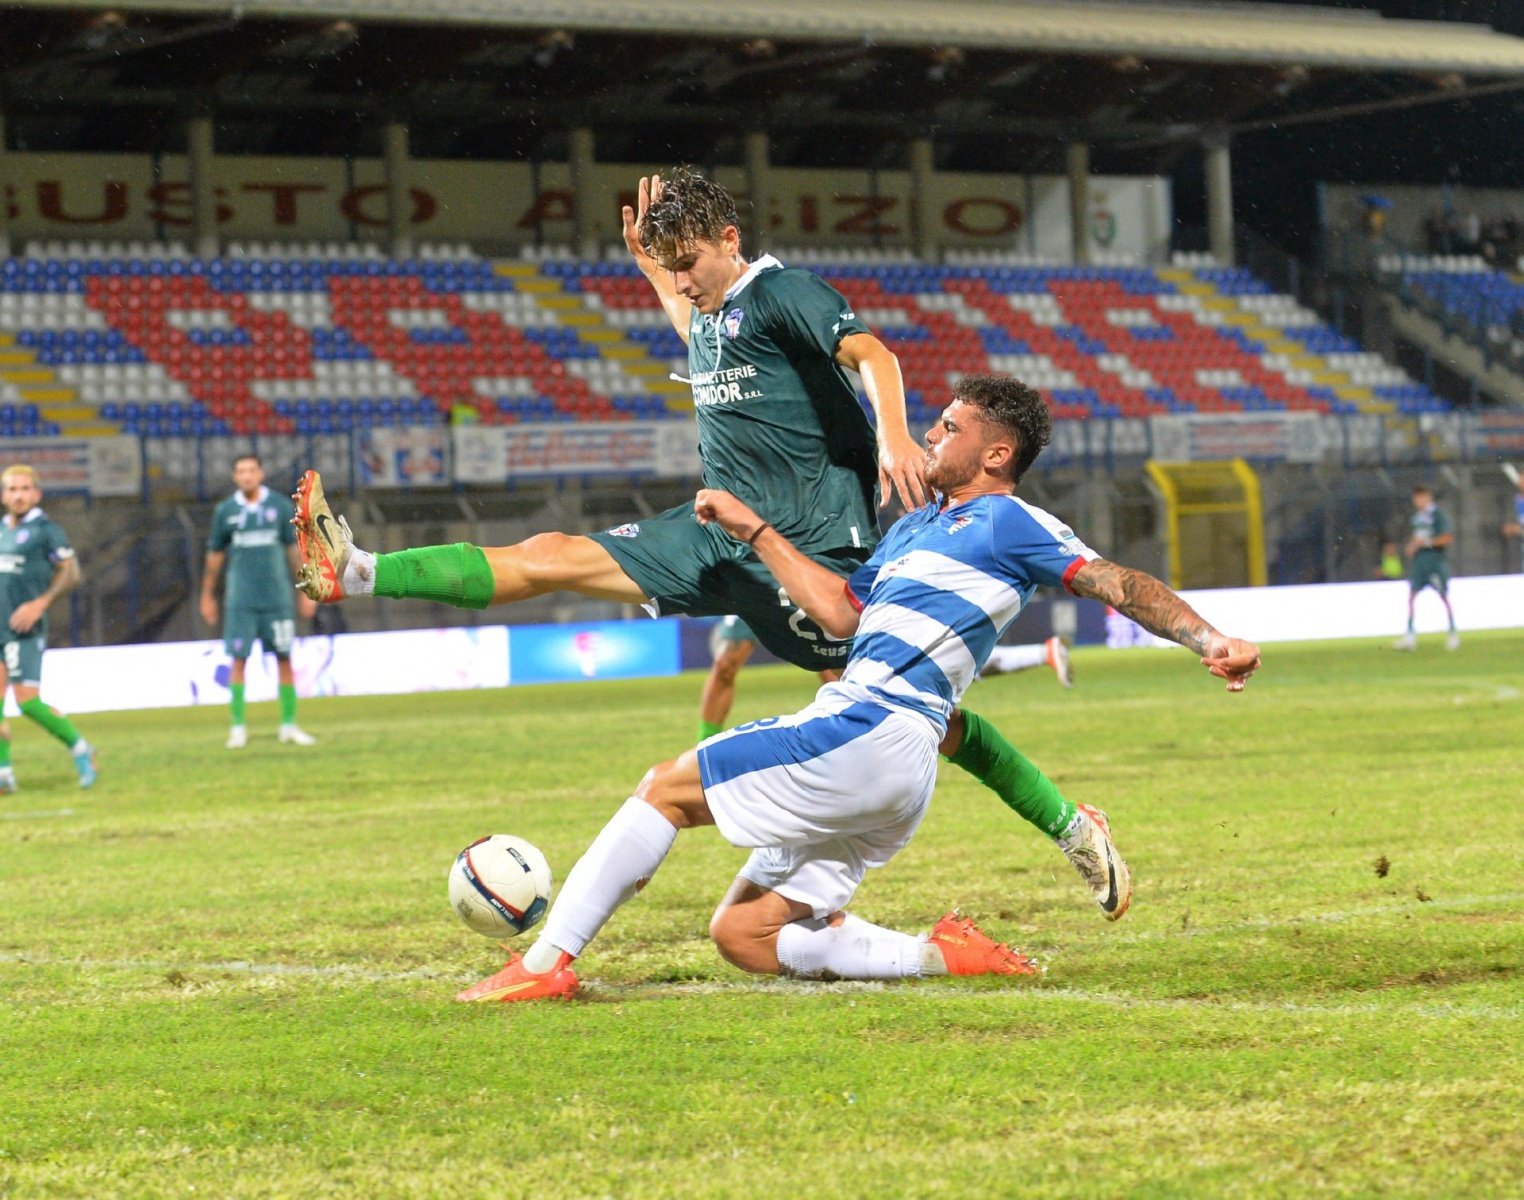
(601, 650)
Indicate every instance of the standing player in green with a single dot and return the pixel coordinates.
(37, 566)
(1432, 535)
(780, 426)
(252, 534)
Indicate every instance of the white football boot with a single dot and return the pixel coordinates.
(295, 736)
(1096, 858)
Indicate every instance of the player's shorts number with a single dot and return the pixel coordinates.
(12, 657)
(283, 633)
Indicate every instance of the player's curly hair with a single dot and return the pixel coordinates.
(691, 209)
(1016, 407)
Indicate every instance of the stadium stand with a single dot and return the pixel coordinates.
(319, 339)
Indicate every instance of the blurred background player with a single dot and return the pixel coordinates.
(252, 533)
(731, 643)
(1427, 566)
(1515, 528)
(36, 567)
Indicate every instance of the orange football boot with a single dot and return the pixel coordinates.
(968, 950)
(324, 541)
(514, 982)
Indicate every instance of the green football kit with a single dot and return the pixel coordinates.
(780, 426)
(30, 551)
(260, 602)
(1430, 567)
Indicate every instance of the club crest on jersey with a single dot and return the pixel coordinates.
(22, 535)
(732, 323)
(959, 525)
(629, 530)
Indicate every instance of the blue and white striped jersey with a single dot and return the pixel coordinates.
(939, 591)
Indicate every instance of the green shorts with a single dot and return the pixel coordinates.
(272, 628)
(23, 656)
(1429, 570)
(700, 570)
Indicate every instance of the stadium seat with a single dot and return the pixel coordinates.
(326, 338)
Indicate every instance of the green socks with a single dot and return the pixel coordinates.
(707, 729)
(288, 704)
(5, 753)
(237, 690)
(53, 721)
(994, 762)
(458, 575)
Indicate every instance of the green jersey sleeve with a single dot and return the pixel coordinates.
(287, 511)
(803, 313)
(221, 535)
(56, 544)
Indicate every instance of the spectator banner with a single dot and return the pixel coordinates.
(394, 457)
(141, 196)
(105, 466)
(497, 454)
(1500, 434)
(1204, 437)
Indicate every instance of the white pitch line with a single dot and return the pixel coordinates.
(1324, 918)
(36, 816)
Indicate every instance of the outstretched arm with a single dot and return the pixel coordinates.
(679, 311)
(821, 593)
(1160, 611)
(901, 459)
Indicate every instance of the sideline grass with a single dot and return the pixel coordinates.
(229, 975)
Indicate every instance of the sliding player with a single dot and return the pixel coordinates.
(37, 566)
(251, 532)
(780, 426)
(822, 796)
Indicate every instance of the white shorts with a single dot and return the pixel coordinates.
(820, 796)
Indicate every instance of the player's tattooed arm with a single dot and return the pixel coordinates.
(1146, 600)
(1160, 611)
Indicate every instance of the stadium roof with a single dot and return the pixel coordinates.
(1209, 32)
(1000, 84)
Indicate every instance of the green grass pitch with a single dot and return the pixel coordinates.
(229, 975)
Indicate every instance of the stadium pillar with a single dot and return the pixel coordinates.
(923, 162)
(758, 171)
(198, 139)
(399, 195)
(5, 208)
(1219, 188)
(579, 156)
(1079, 202)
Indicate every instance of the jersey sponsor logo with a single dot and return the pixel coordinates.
(724, 387)
(629, 530)
(246, 538)
(11, 564)
(733, 321)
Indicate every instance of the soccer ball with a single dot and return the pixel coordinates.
(500, 885)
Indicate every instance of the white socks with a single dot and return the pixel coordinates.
(855, 949)
(1005, 658)
(359, 573)
(627, 852)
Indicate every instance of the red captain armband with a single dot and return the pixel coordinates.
(1071, 571)
(852, 597)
